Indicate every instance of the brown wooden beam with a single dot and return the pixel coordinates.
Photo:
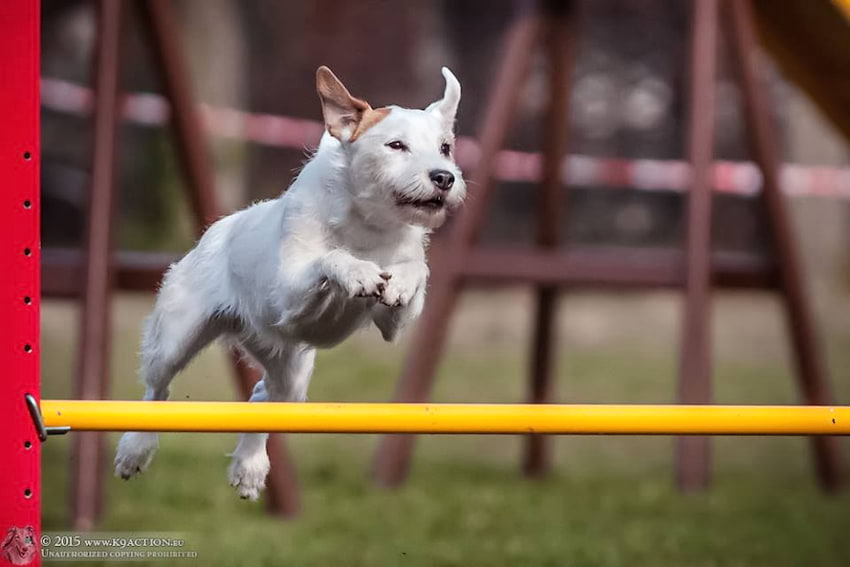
(588, 267)
(189, 137)
(811, 372)
(611, 267)
(283, 497)
(62, 276)
(693, 454)
(559, 46)
(89, 449)
(394, 452)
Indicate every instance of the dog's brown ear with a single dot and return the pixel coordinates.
(346, 117)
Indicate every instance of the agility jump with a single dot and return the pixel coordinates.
(243, 417)
(26, 420)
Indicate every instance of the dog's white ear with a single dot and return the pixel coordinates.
(346, 117)
(446, 107)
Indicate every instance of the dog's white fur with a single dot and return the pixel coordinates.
(343, 247)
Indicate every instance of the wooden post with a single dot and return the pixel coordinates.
(393, 457)
(88, 450)
(458, 262)
(559, 48)
(693, 453)
(283, 496)
(810, 370)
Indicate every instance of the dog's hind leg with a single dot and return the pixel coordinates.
(287, 375)
(174, 333)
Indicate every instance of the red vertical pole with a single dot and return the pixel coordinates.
(693, 452)
(19, 282)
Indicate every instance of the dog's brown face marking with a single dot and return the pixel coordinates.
(344, 114)
(370, 118)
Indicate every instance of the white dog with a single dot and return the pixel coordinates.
(343, 247)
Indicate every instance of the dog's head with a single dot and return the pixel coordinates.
(400, 160)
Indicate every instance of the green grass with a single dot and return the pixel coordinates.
(609, 500)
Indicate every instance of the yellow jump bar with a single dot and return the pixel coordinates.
(446, 418)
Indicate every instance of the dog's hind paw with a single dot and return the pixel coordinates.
(135, 451)
(248, 475)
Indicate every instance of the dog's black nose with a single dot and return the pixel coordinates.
(442, 179)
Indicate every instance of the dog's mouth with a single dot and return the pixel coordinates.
(435, 203)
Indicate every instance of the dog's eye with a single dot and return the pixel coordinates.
(397, 145)
(445, 149)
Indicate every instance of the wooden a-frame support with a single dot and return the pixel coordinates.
(459, 260)
(88, 450)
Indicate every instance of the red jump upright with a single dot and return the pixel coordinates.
(19, 281)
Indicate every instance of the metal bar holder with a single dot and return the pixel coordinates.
(38, 421)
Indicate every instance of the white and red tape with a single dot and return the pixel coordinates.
(741, 178)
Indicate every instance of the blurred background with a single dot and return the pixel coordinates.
(609, 500)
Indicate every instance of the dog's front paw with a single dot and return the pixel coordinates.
(364, 279)
(135, 451)
(397, 293)
(248, 474)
